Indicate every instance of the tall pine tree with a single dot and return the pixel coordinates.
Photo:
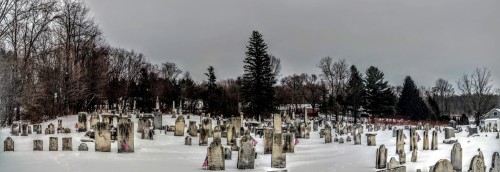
(355, 92)
(410, 103)
(211, 90)
(380, 100)
(258, 79)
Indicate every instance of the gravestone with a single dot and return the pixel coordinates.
(67, 144)
(278, 158)
(315, 126)
(207, 125)
(231, 135)
(449, 133)
(227, 153)
(414, 140)
(381, 157)
(37, 128)
(29, 129)
(289, 145)
(94, 118)
(24, 129)
(402, 158)
(442, 165)
(246, 156)
(357, 139)
(434, 142)
(495, 163)
(393, 163)
(8, 144)
(158, 120)
(477, 164)
(414, 155)
(336, 139)
(82, 122)
(322, 133)
(53, 144)
(50, 129)
(193, 129)
(400, 143)
(328, 134)
(268, 141)
(37, 145)
(472, 131)
(425, 144)
(217, 134)
(371, 139)
(237, 122)
(102, 137)
(394, 133)
(203, 136)
(348, 139)
(83, 147)
(187, 140)
(15, 129)
(125, 140)
(456, 157)
(215, 154)
(341, 140)
(179, 126)
(277, 123)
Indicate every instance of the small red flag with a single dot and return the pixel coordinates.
(205, 163)
(296, 141)
(254, 142)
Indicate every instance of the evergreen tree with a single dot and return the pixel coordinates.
(435, 112)
(410, 103)
(380, 100)
(211, 90)
(258, 79)
(464, 120)
(355, 92)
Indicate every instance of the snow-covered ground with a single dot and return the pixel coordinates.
(168, 153)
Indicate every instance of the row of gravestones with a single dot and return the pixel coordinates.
(67, 144)
(25, 129)
(476, 165)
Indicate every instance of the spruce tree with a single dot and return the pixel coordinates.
(258, 79)
(355, 92)
(380, 100)
(410, 103)
(211, 90)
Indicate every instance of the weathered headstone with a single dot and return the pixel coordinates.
(231, 135)
(203, 136)
(278, 158)
(449, 133)
(425, 144)
(102, 137)
(393, 163)
(24, 129)
(193, 129)
(246, 156)
(289, 145)
(50, 129)
(158, 120)
(414, 155)
(94, 118)
(456, 157)
(341, 140)
(217, 134)
(348, 139)
(207, 125)
(8, 144)
(400, 143)
(187, 140)
(477, 164)
(15, 129)
(434, 144)
(371, 139)
(82, 122)
(402, 158)
(29, 129)
(268, 140)
(53, 144)
(412, 138)
(83, 147)
(227, 153)
(126, 137)
(328, 134)
(381, 157)
(277, 123)
(37, 145)
(179, 126)
(37, 128)
(215, 153)
(442, 165)
(495, 163)
(357, 139)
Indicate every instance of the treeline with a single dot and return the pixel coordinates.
(54, 61)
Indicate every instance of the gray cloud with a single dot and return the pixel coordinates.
(425, 39)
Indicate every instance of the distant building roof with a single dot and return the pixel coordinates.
(494, 113)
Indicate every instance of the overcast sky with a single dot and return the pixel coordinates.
(426, 39)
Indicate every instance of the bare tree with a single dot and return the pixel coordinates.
(170, 70)
(476, 89)
(311, 89)
(443, 91)
(275, 65)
